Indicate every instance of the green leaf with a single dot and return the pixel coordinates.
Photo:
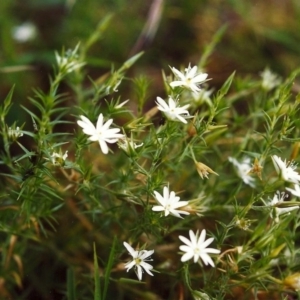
(128, 280)
(97, 293)
(101, 27)
(109, 267)
(211, 46)
(129, 62)
(71, 288)
(225, 87)
(7, 101)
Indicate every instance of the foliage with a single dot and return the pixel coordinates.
(66, 208)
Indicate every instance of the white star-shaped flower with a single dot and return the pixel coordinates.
(269, 79)
(242, 169)
(169, 203)
(279, 206)
(139, 259)
(14, 133)
(128, 145)
(286, 170)
(25, 32)
(296, 191)
(196, 248)
(190, 79)
(101, 133)
(68, 61)
(203, 96)
(172, 111)
(58, 159)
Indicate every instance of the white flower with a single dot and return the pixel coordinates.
(101, 133)
(128, 145)
(269, 79)
(279, 206)
(296, 191)
(203, 96)
(58, 159)
(14, 133)
(139, 261)
(69, 62)
(286, 170)
(25, 32)
(169, 203)
(196, 248)
(190, 79)
(243, 169)
(172, 111)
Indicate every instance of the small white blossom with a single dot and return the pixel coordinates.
(25, 32)
(243, 168)
(196, 248)
(286, 170)
(58, 159)
(269, 80)
(279, 206)
(68, 62)
(128, 145)
(139, 259)
(172, 111)
(190, 79)
(169, 203)
(14, 133)
(203, 96)
(101, 133)
(296, 191)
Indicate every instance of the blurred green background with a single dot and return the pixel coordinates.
(259, 34)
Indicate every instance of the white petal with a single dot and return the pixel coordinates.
(185, 248)
(178, 73)
(162, 105)
(186, 241)
(192, 72)
(145, 254)
(166, 193)
(158, 208)
(204, 244)
(88, 128)
(99, 122)
(129, 265)
(176, 83)
(199, 78)
(206, 259)
(139, 272)
(111, 140)
(176, 213)
(103, 146)
(147, 267)
(194, 88)
(130, 249)
(106, 125)
(202, 237)
(179, 204)
(196, 257)
(212, 250)
(183, 120)
(193, 237)
(187, 256)
(159, 198)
